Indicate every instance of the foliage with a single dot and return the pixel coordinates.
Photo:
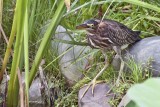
(27, 19)
(147, 94)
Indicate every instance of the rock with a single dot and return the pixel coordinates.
(35, 93)
(125, 100)
(98, 100)
(147, 50)
(35, 97)
(142, 52)
(71, 63)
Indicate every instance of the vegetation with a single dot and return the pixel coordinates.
(147, 97)
(24, 24)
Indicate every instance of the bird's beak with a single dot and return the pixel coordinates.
(82, 26)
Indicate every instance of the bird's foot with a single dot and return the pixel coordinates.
(91, 84)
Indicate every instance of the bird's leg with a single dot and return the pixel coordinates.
(120, 71)
(93, 82)
(119, 75)
(118, 55)
(118, 51)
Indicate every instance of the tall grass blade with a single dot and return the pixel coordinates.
(47, 36)
(143, 4)
(32, 16)
(13, 88)
(9, 46)
(135, 2)
(26, 57)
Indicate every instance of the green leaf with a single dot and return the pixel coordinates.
(132, 104)
(13, 87)
(146, 94)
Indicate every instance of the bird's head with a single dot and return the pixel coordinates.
(89, 25)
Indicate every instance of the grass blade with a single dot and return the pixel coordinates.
(13, 88)
(9, 46)
(47, 36)
(26, 57)
(143, 4)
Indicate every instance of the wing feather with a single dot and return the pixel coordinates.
(118, 33)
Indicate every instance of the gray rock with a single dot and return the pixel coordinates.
(147, 50)
(142, 52)
(35, 92)
(35, 96)
(98, 100)
(71, 63)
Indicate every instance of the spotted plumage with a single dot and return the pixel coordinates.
(108, 33)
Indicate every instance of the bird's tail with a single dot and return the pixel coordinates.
(137, 34)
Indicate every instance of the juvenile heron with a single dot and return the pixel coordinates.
(108, 34)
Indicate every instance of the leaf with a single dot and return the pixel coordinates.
(131, 104)
(146, 94)
(68, 4)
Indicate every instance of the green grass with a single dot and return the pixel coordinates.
(136, 15)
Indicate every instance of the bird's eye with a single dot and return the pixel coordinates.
(91, 25)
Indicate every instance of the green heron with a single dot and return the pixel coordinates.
(105, 35)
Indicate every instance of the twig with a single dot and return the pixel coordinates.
(5, 37)
(3, 34)
(100, 12)
(44, 85)
(21, 93)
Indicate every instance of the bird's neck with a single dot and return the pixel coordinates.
(91, 34)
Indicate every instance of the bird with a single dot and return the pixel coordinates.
(108, 35)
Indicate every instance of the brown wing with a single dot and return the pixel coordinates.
(119, 34)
